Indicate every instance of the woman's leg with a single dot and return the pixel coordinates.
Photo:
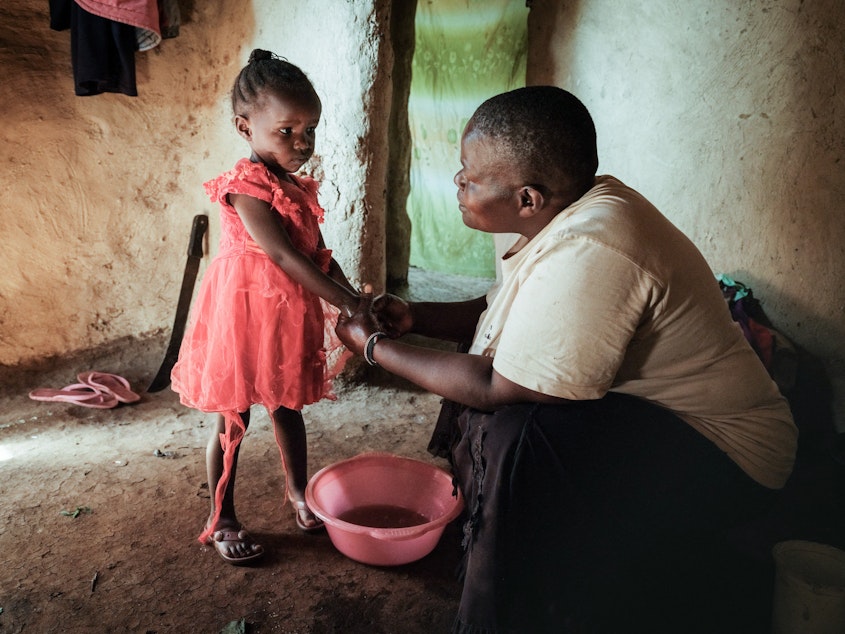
(289, 428)
(579, 514)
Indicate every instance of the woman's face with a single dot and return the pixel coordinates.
(282, 133)
(487, 196)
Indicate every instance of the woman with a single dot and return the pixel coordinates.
(609, 413)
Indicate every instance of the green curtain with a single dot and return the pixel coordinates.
(465, 52)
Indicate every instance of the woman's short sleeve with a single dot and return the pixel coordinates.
(567, 335)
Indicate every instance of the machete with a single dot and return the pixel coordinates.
(162, 377)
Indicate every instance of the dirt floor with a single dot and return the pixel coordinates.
(102, 509)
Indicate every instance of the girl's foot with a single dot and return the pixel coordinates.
(235, 545)
(305, 518)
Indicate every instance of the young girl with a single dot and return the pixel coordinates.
(261, 331)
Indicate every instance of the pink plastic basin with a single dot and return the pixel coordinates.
(383, 480)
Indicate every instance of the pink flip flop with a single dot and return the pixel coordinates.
(110, 384)
(76, 394)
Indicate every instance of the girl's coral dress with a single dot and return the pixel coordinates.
(255, 335)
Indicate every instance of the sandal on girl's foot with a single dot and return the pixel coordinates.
(306, 521)
(218, 539)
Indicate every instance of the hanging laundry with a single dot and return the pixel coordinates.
(105, 35)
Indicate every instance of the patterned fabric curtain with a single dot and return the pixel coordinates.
(466, 51)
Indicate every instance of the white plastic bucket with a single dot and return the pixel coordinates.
(809, 594)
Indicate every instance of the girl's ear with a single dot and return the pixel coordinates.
(242, 126)
(531, 201)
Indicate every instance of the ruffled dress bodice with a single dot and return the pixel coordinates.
(256, 336)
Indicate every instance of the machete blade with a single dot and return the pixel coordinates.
(192, 265)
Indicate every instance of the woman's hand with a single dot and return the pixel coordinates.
(394, 315)
(354, 329)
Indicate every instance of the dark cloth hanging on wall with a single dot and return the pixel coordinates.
(103, 50)
(60, 14)
(103, 55)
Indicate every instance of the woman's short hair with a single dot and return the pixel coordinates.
(544, 131)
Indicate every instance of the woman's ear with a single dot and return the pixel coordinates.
(531, 201)
(242, 126)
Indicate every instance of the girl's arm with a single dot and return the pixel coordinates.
(265, 227)
(336, 273)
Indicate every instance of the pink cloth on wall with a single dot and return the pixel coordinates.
(142, 14)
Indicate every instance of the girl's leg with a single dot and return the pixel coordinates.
(236, 543)
(289, 428)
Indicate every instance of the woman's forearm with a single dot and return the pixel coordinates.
(464, 378)
(459, 377)
(451, 321)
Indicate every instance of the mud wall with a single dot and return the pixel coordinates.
(729, 117)
(99, 192)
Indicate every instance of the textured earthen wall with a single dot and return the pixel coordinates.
(729, 117)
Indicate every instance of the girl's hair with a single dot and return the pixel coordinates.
(267, 72)
(542, 129)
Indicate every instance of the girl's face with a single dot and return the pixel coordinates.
(487, 199)
(282, 133)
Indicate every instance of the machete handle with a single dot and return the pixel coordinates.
(197, 232)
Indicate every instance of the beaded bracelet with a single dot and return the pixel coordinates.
(371, 343)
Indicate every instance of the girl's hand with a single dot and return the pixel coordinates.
(394, 315)
(353, 330)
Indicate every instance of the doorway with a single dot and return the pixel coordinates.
(465, 52)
